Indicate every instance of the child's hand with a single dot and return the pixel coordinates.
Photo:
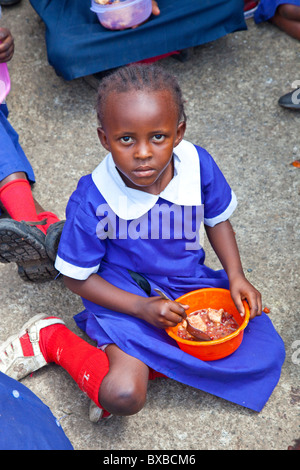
(6, 45)
(155, 8)
(241, 289)
(163, 313)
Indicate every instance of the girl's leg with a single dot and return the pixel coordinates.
(45, 339)
(290, 12)
(16, 197)
(288, 20)
(123, 390)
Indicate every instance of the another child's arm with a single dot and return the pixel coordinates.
(222, 239)
(155, 310)
(6, 45)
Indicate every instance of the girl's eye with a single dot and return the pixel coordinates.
(158, 137)
(126, 139)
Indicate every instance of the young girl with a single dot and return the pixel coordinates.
(133, 226)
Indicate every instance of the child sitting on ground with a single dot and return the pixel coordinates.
(133, 226)
(22, 236)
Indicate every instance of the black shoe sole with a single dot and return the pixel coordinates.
(25, 246)
(53, 237)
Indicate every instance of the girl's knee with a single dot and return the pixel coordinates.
(130, 401)
(122, 398)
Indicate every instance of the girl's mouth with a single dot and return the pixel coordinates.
(143, 172)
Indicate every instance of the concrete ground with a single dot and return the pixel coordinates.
(231, 88)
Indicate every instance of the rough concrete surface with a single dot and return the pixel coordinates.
(231, 88)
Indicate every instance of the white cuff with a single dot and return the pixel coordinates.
(75, 272)
(225, 215)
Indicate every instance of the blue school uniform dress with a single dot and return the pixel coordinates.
(267, 8)
(12, 156)
(114, 231)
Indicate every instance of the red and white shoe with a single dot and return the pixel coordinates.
(96, 414)
(249, 8)
(13, 361)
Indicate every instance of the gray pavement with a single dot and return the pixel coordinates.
(231, 87)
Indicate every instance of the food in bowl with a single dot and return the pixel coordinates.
(121, 14)
(216, 323)
(215, 298)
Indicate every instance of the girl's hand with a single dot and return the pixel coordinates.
(155, 8)
(241, 289)
(6, 45)
(163, 313)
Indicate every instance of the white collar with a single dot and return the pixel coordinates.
(184, 188)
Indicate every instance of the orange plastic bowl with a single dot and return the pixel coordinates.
(218, 348)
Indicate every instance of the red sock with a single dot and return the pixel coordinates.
(16, 197)
(50, 219)
(86, 364)
(153, 374)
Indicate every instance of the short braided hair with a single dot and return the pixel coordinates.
(139, 77)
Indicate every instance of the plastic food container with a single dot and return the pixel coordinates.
(4, 82)
(122, 14)
(219, 348)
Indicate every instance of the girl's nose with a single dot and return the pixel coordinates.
(143, 151)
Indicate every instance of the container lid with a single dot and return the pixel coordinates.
(4, 82)
(98, 8)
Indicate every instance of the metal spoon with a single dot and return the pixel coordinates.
(198, 334)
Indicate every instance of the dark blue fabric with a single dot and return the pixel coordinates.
(78, 45)
(26, 423)
(266, 9)
(12, 156)
(247, 377)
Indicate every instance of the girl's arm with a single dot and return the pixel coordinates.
(222, 239)
(155, 310)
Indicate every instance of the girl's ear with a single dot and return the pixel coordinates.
(180, 132)
(103, 138)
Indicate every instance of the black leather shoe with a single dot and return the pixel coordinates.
(6, 3)
(291, 100)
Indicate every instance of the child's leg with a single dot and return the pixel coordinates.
(123, 390)
(287, 18)
(44, 339)
(290, 12)
(16, 197)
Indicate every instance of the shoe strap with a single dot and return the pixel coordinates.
(32, 223)
(34, 332)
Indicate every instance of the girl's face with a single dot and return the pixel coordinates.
(141, 129)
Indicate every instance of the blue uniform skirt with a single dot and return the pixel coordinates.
(246, 378)
(267, 8)
(26, 423)
(77, 44)
(12, 156)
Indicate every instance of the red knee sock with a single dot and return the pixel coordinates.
(86, 364)
(16, 197)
